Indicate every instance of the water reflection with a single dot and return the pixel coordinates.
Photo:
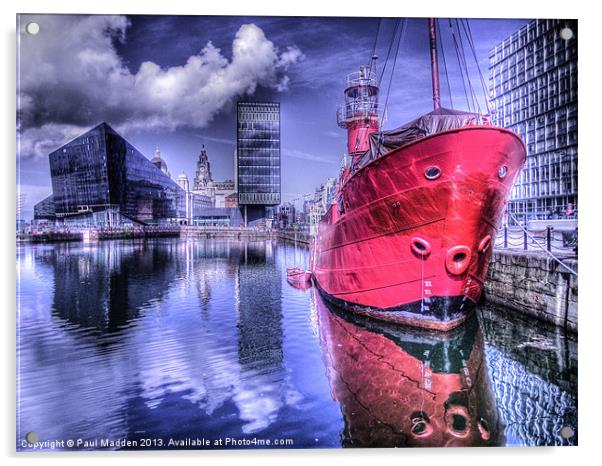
(176, 339)
(402, 388)
(105, 288)
(167, 338)
(534, 371)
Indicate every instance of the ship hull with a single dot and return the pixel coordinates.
(408, 249)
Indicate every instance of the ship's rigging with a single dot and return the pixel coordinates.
(457, 35)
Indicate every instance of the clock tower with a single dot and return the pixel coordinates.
(202, 178)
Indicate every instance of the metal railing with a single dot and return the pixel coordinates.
(550, 239)
(543, 240)
(357, 111)
(361, 78)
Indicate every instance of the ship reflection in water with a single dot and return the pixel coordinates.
(175, 340)
(400, 387)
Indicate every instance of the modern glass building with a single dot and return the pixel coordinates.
(101, 175)
(258, 157)
(45, 210)
(533, 86)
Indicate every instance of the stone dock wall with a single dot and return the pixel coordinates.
(192, 232)
(302, 239)
(534, 284)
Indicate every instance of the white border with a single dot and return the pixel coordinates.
(590, 175)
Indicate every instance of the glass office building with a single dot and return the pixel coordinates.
(258, 157)
(100, 171)
(533, 86)
(45, 210)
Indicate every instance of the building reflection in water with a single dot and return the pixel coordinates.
(259, 309)
(262, 391)
(401, 388)
(533, 367)
(104, 287)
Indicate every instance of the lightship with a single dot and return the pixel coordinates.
(409, 237)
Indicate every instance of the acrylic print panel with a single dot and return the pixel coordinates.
(199, 266)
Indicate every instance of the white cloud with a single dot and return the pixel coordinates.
(71, 77)
(38, 142)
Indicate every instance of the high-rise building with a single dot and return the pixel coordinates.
(533, 86)
(100, 179)
(185, 185)
(19, 217)
(20, 201)
(258, 157)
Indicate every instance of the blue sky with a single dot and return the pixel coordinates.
(173, 82)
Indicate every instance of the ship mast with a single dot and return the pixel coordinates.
(434, 64)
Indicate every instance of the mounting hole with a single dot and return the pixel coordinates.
(567, 432)
(502, 171)
(432, 173)
(32, 437)
(566, 33)
(32, 28)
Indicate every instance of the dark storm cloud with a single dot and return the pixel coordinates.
(72, 77)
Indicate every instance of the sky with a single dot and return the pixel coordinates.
(173, 82)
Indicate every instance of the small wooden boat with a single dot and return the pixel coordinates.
(299, 278)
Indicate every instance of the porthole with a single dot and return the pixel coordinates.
(432, 173)
(459, 423)
(502, 171)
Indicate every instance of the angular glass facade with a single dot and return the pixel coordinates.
(258, 153)
(533, 86)
(45, 210)
(100, 170)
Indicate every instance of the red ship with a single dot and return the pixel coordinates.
(410, 235)
(401, 387)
